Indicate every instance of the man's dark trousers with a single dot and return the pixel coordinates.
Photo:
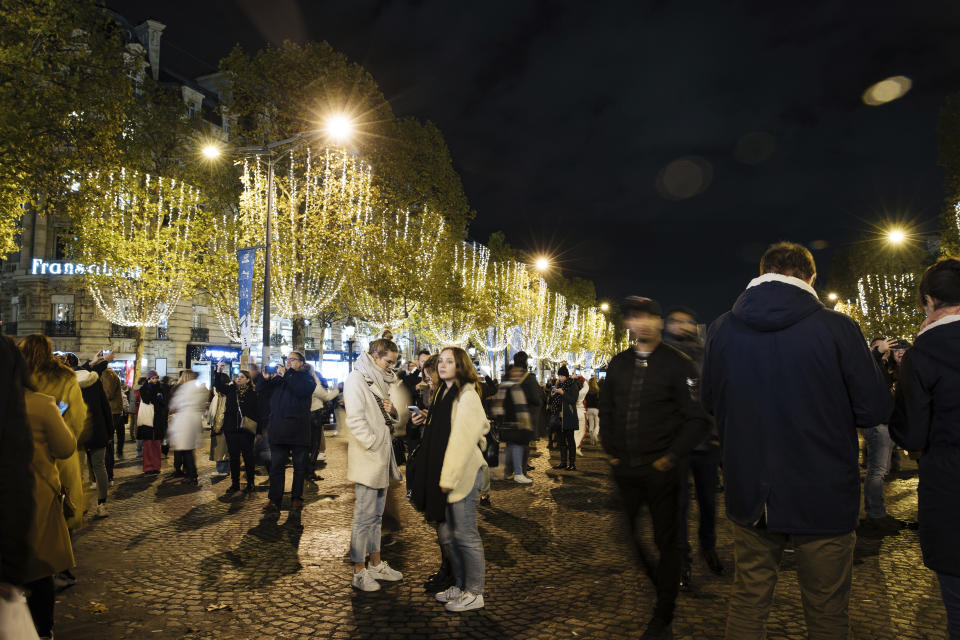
(660, 492)
(279, 455)
(703, 467)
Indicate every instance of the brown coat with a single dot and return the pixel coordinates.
(112, 388)
(49, 538)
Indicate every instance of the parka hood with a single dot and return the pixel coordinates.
(86, 378)
(774, 302)
(940, 342)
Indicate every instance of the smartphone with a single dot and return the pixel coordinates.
(414, 409)
(63, 406)
(107, 352)
(270, 368)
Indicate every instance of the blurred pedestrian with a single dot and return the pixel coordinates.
(789, 382)
(319, 418)
(652, 421)
(153, 405)
(927, 419)
(240, 424)
(593, 409)
(509, 409)
(186, 423)
(567, 392)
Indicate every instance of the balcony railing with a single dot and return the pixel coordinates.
(162, 333)
(119, 331)
(61, 328)
(199, 334)
(10, 328)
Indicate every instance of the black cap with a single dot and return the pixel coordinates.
(563, 371)
(639, 304)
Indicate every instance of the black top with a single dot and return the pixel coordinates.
(423, 475)
(238, 404)
(670, 419)
(927, 419)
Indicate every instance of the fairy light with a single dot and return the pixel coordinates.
(141, 225)
(454, 322)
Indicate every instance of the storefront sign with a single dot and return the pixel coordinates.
(41, 267)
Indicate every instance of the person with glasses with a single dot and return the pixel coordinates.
(291, 391)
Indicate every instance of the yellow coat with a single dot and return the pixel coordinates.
(65, 388)
(49, 539)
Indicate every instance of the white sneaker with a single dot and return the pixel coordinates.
(384, 572)
(450, 595)
(102, 510)
(522, 479)
(466, 602)
(92, 485)
(321, 457)
(364, 581)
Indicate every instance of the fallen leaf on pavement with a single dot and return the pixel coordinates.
(219, 607)
(97, 607)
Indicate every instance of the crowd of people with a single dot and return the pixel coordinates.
(773, 397)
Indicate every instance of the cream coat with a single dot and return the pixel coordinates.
(468, 425)
(370, 444)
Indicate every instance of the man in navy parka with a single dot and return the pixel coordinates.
(789, 382)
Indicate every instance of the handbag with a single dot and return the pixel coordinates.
(16, 622)
(492, 452)
(145, 415)
(61, 495)
(248, 424)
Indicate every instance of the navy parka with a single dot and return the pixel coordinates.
(789, 382)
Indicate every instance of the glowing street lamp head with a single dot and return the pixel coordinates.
(832, 297)
(339, 127)
(542, 264)
(896, 236)
(604, 306)
(211, 151)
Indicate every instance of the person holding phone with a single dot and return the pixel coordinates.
(240, 424)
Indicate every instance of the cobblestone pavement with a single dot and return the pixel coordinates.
(176, 562)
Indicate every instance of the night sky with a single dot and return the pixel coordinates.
(653, 147)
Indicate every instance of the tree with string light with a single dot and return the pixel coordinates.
(457, 305)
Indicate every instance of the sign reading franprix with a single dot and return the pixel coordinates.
(41, 267)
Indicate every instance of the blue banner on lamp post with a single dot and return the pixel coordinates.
(246, 258)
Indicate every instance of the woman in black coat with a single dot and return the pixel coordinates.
(927, 419)
(240, 426)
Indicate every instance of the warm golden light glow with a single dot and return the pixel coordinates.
(211, 151)
(896, 236)
(604, 306)
(339, 127)
(832, 297)
(542, 264)
(887, 90)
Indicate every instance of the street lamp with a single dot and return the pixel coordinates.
(832, 297)
(338, 127)
(542, 264)
(347, 332)
(896, 236)
(604, 306)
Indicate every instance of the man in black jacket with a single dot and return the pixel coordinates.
(789, 382)
(652, 420)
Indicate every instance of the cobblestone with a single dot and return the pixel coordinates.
(558, 566)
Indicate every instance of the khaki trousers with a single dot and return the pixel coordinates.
(824, 570)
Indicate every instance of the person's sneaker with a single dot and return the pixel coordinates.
(562, 465)
(231, 490)
(270, 509)
(713, 561)
(485, 500)
(383, 571)
(364, 581)
(92, 485)
(658, 630)
(522, 479)
(321, 457)
(466, 602)
(102, 510)
(449, 595)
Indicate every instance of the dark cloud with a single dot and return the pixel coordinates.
(561, 115)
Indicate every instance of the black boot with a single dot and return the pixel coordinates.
(713, 561)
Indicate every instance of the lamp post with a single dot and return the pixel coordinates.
(348, 331)
(339, 128)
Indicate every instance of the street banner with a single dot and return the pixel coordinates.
(246, 258)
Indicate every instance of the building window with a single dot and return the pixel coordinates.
(199, 318)
(65, 240)
(62, 311)
(62, 321)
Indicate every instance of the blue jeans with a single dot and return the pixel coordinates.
(879, 446)
(950, 590)
(460, 540)
(279, 454)
(367, 518)
(515, 457)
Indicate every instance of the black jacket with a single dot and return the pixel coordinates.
(671, 420)
(789, 381)
(290, 407)
(98, 409)
(693, 349)
(237, 406)
(927, 419)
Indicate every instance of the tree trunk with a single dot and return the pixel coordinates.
(299, 334)
(138, 353)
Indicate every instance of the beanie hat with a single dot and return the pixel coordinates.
(639, 304)
(152, 374)
(563, 371)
